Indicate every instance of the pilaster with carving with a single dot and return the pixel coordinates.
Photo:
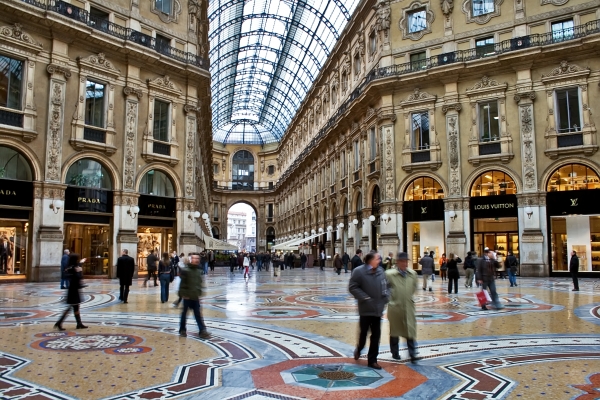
(528, 151)
(453, 132)
(190, 151)
(133, 97)
(56, 111)
(447, 7)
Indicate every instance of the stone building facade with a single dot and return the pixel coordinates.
(450, 126)
(104, 131)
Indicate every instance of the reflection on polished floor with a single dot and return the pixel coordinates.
(292, 337)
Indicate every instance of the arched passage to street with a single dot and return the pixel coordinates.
(242, 227)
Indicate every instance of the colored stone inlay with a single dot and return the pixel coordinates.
(86, 342)
(326, 376)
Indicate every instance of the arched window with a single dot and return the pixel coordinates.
(242, 171)
(493, 183)
(573, 177)
(375, 200)
(14, 165)
(88, 173)
(270, 231)
(423, 188)
(157, 183)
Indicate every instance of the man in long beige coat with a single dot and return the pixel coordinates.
(402, 283)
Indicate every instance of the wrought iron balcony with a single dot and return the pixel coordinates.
(11, 118)
(94, 135)
(420, 156)
(490, 148)
(69, 10)
(161, 148)
(569, 140)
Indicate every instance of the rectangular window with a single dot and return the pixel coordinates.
(164, 6)
(270, 210)
(11, 82)
(98, 19)
(332, 166)
(482, 7)
(420, 131)
(417, 21)
(215, 169)
(418, 61)
(568, 115)
(94, 103)
(344, 81)
(373, 43)
(373, 143)
(489, 122)
(271, 169)
(562, 30)
(485, 47)
(216, 211)
(357, 65)
(356, 156)
(162, 43)
(343, 160)
(161, 120)
(270, 185)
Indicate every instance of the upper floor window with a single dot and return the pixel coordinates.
(11, 82)
(88, 173)
(418, 61)
(373, 143)
(14, 165)
(481, 7)
(357, 66)
(568, 112)
(95, 94)
(164, 6)
(243, 170)
(562, 30)
(344, 81)
(484, 47)
(373, 43)
(162, 43)
(493, 183)
(420, 130)
(489, 123)
(343, 160)
(215, 169)
(157, 183)
(271, 169)
(417, 21)
(161, 120)
(98, 19)
(356, 155)
(332, 167)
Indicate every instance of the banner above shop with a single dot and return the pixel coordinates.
(573, 202)
(16, 193)
(423, 210)
(157, 206)
(494, 206)
(88, 199)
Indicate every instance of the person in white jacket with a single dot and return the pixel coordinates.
(246, 265)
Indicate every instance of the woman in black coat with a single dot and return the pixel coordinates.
(452, 264)
(74, 272)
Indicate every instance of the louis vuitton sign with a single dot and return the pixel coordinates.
(573, 202)
(16, 193)
(494, 206)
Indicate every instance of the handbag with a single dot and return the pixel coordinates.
(171, 274)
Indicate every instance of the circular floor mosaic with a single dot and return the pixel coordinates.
(110, 344)
(336, 376)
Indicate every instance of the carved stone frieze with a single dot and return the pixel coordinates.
(418, 96)
(487, 83)
(130, 90)
(189, 157)
(554, 2)
(448, 107)
(59, 69)
(454, 178)
(164, 84)
(14, 34)
(565, 69)
(131, 117)
(55, 131)
(524, 95)
(191, 108)
(98, 63)
(447, 7)
(389, 157)
(529, 166)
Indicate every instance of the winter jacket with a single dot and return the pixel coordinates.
(191, 282)
(370, 289)
(427, 267)
(356, 261)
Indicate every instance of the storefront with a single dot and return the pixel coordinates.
(157, 218)
(494, 214)
(89, 215)
(423, 219)
(16, 202)
(573, 219)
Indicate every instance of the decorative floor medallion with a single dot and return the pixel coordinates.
(110, 344)
(336, 377)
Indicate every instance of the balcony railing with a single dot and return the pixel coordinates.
(356, 175)
(103, 25)
(490, 148)
(242, 187)
(161, 148)
(420, 156)
(569, 140)
(11, 118)
(94, 135)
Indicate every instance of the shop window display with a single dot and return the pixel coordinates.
(159, 240)
(13, 247)
(91, 241)
(493, 183)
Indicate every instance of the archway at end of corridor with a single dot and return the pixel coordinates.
(242, 229)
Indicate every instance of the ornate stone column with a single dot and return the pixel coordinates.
(389, 232)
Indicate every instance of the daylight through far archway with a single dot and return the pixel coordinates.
(241, 227)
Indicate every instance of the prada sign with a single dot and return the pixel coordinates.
(88, 199)
(16, 193)
(494, 206)
(423, 210)
(157, 206)
(573, 202)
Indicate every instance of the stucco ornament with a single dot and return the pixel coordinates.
(447, 7)
(382, 15)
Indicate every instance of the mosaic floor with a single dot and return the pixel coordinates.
(292, 337)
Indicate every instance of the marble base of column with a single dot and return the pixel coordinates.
(456, 242)
(531, 253)
(127, 239)
(50, 240)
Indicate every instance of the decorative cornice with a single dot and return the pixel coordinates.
(455, 106)
(524, 95)
(191, 108)
(129, 90)
(100, 63)
(58, 69)
(164, 84)
(565, 69)
(418, 97)
(16, 35)
(487, 83)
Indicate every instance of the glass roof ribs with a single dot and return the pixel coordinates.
(271, 117)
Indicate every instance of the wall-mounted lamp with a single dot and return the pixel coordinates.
(329, 228)
(372, 218)
(529, 212)
(313, 231)
(133, 211)
(355, 221)
(194, 216)
(305, 234)
(320, 230)
(341, 225)
(385, 218)
(452, 215)
(205, 216)
(56, 205)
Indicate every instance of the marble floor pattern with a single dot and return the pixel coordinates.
(292, 337)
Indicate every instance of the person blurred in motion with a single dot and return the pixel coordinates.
(190, 290)
(337, 263)
(453, 275)
(74, 274)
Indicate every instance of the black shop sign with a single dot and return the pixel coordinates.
(156, 206)
(423, 210)
(16, 193)
(581, 202)
(88, 199)
(494, 206)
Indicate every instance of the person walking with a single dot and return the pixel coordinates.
(402, 283)
(426, 269)
(190, 290)
(337, 263)
(246, 266)
(232, 262)
(64, 261)
(511, 263)
(357, 260)
(443, 267)
(125, 270)
(345, 261)
(369, 286)
(389, 263)
(74, 274)
(453, 275)
(164, 275)
(204, 262)
(574, 270)
(486, 276)
(469, 267)
(211, 260)
(303, 260)
(152, 264)
(322, 260)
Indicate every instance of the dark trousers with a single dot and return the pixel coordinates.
(450, 281)
(165, 279)
(322, 264)
(75, 311)
(195, 306)
(395, 346)
(575, 280)
(151, 274)
(374, 324)
(124, 293)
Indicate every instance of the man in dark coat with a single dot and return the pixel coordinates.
(345, 261)
(303, 260)
(64, 261)
(125, 269)
(357, 260)
(574, 269)
(485, 274)
(152, 264)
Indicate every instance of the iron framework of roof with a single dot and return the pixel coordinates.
(265, 55)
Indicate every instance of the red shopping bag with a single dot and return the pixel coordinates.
(483, 297)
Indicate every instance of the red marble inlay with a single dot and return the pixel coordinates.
(196, 377)
(592, 390)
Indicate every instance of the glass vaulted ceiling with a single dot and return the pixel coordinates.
(264, 55)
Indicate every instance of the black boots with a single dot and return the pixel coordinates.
(79, 324)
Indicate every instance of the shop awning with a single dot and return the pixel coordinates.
(306, 239)
(210, 243)
(280, 246)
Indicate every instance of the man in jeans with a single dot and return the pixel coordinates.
(511, 264)
(486, 275)
(369, 286)
(426, 269)
(190, 290)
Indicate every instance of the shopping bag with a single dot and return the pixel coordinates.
(483, 297)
